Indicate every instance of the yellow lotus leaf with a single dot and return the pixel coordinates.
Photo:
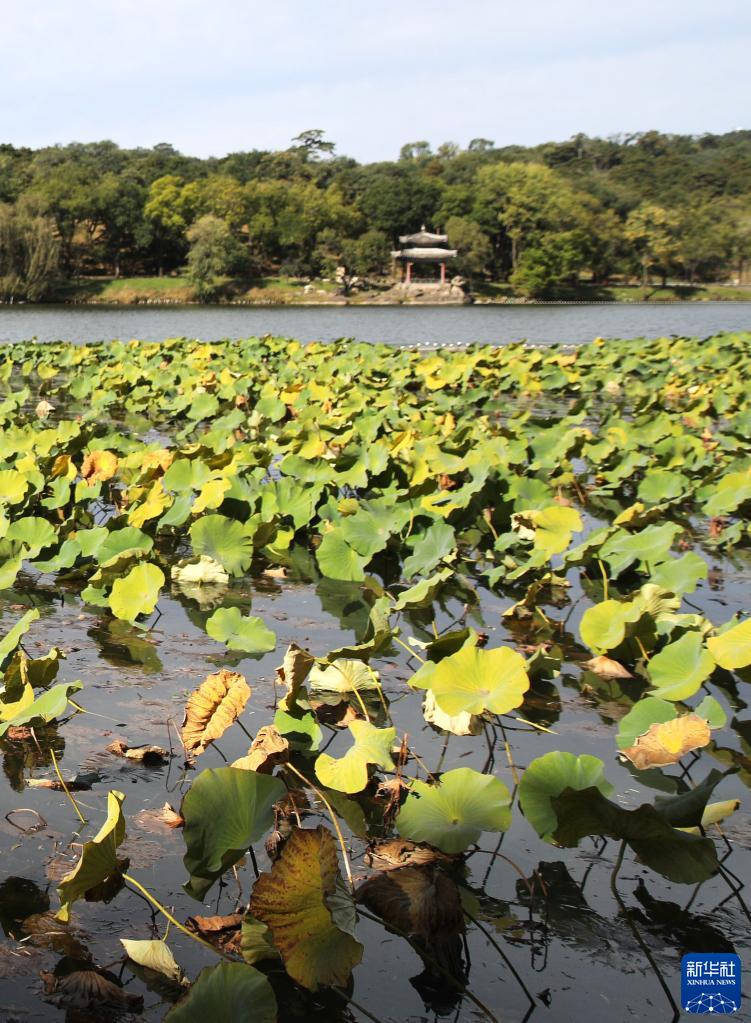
(156, 501)
(162, 459)
(666, 742)
(211, 495)
(63, 467)
(212, 708)
(99, 466)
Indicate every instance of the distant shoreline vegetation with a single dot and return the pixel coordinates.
(646, 217)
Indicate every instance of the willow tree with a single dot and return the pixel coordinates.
(29, 255)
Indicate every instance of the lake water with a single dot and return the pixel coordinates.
(392, 324)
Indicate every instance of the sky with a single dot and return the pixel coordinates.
(227, 75)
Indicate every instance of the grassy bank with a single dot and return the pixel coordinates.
(295, 291)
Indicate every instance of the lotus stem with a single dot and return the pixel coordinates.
(66, 790)
(165, 912)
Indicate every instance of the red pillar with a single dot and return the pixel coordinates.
(409, 273)
(443, 273)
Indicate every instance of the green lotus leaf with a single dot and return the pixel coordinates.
(372, 746)
(343, 676)
(34, 533)
(365, 532)
(429, 549)
(129, 540)
(239, 632)
(47, 707)
(230, 992)
(11, 639)
(680, 575)
(295, 901)
(256, 943)
(473, 680)
(186, 474)
(303, 732)
(646, 712)
(680, 668)
(603, 626)
(65, 558)
(98, 860)
(338, 560)
(548, 776)
(648, 547)
(423, 592)
(732, 648)
(224, 540)
(676, 855)
(452, 814)
(226, 809)
(136, 593)
(9, 570)
(712, 712)
(661, 485)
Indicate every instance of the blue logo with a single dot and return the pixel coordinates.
(711, 983)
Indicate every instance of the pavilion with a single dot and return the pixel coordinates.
(420, 251)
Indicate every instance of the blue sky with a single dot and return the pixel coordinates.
(220, 76)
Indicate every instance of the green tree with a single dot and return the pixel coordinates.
(29, 255)
(653, 233)
(213, 254)
(474, 249)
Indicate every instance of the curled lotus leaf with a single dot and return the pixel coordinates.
(153, 955)
(200, 571)
(212, 708)
(343, 676)
(98, 860)
(293, 901)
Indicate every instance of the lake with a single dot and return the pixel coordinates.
(498, 324)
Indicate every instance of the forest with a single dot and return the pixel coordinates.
(641, 208)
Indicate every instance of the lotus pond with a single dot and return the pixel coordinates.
(343, 682)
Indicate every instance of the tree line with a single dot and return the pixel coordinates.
(642, 207)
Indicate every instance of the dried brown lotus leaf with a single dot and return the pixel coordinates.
(666, 742)
(293, 672)
(607, 667)
(268, 749)
(212, 708)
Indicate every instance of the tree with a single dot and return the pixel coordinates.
(653, 233)
(313, 144)
(170, 209)
(480, 145)
(29, 255)
(549, 262)
(213, 254)
(474, 249)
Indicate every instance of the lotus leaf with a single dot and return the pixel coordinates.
(293, 902)
(680, 668)
(136, 593)
(452, 814)
(212, 708)
(98, 860)
(247, 633)
(225, 811)
(372, 746)
(732, 648)
(473, 681)
(226, 992)
(548, 776)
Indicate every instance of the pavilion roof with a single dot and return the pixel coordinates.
(424, 254)
(423, 238)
